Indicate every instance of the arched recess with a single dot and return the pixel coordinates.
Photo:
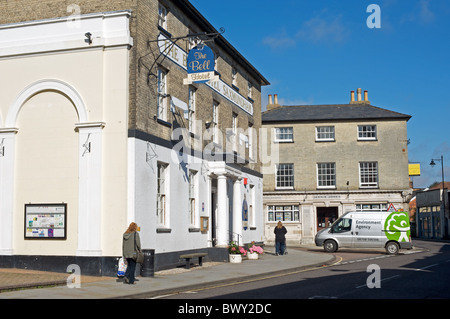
(44, 85)
(89, 169)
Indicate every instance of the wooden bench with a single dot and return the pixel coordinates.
(188, 258)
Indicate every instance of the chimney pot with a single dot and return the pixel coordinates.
(270, 99)
(366, 96)
(359, 94)
(352, 96)
(275, 96)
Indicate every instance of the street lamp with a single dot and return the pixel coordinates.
(432, 163)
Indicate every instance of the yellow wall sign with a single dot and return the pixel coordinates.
(414, 169)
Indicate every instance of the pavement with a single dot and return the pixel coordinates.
(27, 284)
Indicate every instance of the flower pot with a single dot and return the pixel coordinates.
(235, 258)
(252, 256)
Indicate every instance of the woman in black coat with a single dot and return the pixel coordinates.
(280, 239)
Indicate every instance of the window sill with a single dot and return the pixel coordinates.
(194, 229)
(162, 122)
(161, 230)
(284, 188)
(164, 31)
(367, 140)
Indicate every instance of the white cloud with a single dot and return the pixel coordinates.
(421, 13)
(425, 14)
(320, 29)
(276, 42)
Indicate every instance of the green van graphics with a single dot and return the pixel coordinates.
(397, 227)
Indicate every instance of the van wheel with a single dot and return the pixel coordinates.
(330, 246)
(392, 248)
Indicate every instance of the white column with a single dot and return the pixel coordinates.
(237, 211)
(222, 214)
(7, 152)
(89, 193)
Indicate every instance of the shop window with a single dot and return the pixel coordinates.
(284, 213)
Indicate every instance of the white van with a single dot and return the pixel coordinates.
(380, 229)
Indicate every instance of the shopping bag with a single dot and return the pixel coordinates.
(122, 267)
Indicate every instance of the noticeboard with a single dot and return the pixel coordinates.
(45, 221)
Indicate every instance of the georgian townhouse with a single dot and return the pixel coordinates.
(98, 128)
(333, 159)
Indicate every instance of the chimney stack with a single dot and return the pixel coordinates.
(359, 97)
(272, 104)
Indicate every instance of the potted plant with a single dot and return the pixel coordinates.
(236, 252)
(254, 251)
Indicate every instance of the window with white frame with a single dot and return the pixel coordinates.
(368, 174)
(367, 132)
(234, 76)
(162, 95)
(284, 134)
(325, 133)
(215, 122)
(192, 196)
(284, 176)
(326, 175)
(162, 16)
(371, 207)
(234, 131)
(284, 213)
(250, 141)
(191, 109)
(161, 194)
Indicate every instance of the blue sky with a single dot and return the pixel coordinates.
(317, 51)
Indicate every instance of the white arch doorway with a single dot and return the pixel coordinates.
(89, 169)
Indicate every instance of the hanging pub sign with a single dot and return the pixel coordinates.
(200, 65)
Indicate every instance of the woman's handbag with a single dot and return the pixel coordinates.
(138, 256)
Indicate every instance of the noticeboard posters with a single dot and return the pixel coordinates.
(45, 221)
